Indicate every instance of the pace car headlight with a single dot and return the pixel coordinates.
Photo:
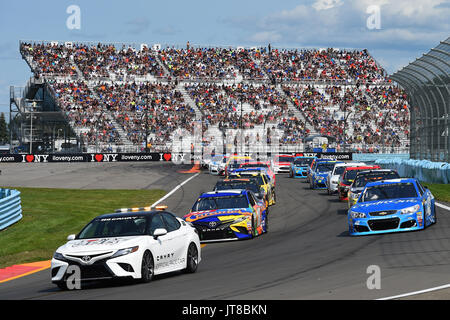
(357, 215)
(410, 209)
(126, 251)
(59, 256)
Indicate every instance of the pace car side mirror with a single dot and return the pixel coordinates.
(159, 232)
(71, 237)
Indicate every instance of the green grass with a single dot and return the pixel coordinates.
(440, 191)
(50, 215)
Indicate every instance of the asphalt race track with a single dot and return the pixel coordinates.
(307, 253)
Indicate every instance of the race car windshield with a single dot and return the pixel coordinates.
(361, 181)
(325, 167)
(254, 165)
(114, 227)
(303, 162)
(284, 159)
(339, 170)
(389, 191)
(350, 175)
(240, 185)
(257, 177)
(226, 202)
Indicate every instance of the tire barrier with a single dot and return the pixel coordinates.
(10, 207)
(424, 170)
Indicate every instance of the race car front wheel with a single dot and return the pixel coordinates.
(192, 259)
(147, 267)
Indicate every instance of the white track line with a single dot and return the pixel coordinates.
(174, 189)
(442, 206)
(416, 292)
(445, 286)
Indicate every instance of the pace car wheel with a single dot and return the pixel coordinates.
(192, 258)
(147, 267)
(62, 285)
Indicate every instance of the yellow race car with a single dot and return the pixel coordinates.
(263, 180)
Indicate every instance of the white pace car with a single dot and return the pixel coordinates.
(132, 243)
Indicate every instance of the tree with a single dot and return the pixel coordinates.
(4, 132)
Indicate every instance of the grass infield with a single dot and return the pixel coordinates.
(440, 191)
(50, 215)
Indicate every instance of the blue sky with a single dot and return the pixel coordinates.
(407, 29)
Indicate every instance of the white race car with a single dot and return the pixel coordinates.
(137, 243)
(333, 177)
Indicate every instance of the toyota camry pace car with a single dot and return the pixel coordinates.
(228, 215)
(392, 206)
(320, 173)
(136, 243)
(364, 177)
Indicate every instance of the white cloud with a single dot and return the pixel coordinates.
(326, 4)
(410, 27)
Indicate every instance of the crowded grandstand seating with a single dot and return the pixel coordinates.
(122, 95)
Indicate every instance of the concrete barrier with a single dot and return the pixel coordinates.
(10, 207)
(369, 157)
(424, 170)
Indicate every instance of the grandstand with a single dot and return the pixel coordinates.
(132, 98)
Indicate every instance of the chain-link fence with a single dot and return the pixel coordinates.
(426, 81)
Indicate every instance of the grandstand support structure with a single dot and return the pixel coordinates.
(427, 82)
(36, 125)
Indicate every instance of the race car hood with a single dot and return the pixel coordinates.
(98, 245)
(199, 215)
(393, 204)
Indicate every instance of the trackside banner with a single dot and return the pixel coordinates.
(177, 158)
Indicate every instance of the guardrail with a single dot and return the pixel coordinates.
(10, 207)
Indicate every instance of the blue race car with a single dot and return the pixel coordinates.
(392, 206)
(299, 168)
(320, 172)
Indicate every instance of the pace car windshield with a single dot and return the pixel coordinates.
(225, 202)
(361, 181)
(303, 162)
(389, 191)
(114, 227)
